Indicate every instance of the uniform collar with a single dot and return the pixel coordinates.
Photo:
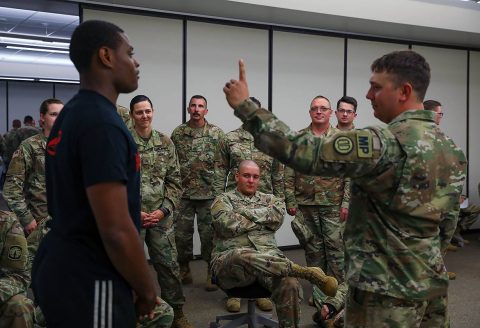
(415, 114)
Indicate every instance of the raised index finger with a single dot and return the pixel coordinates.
(242, 76)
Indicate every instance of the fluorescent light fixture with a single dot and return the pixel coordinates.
(34, 43)
(38, 49)
(16, 78)
(59, 81)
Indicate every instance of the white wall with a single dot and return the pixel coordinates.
(65, 92)
(157, 46)
(474, 131)
(361, 55)
(448, 85)
(212, 56)
(24, 98)
(305, 66)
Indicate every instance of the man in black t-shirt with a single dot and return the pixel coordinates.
(91, 260)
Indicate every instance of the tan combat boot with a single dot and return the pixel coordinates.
(452, 248)
(185, 274)
(452, 275)
(209, 286)
(264, 304)
(233, 304)
(179, 319)
(317, 277)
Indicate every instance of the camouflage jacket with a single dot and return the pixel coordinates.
(14, 138)
(242, 221)
(160, 174)
(24, 189)
(14, 261)
(196, 150)
(406, 183)
(124, 113)
(302, 189)
(236, 147)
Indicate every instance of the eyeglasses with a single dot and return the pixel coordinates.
(345, 111)
(322, 109)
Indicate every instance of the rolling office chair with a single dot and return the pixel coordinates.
(252, 318)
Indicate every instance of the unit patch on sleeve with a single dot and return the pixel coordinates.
(15, 253)
(364, 144)
(343, 145)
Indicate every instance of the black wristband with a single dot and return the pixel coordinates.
(166, 211)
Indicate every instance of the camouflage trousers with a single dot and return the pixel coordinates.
(160, 241)
(16, 310)
(243, 266)
(184, 228)
(163, 317)
(320, 232)
(365, 309)
(467, 217)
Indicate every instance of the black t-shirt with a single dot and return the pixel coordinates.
(89, 144)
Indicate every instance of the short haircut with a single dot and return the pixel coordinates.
(248, 162)
(28, 119)
(137, 99)
(431, 104)
(16, 123)
(198, 97)
(256, 101)
(349, 100)
(405, 66)
(47, 102)
(88, 38)
(321, 97)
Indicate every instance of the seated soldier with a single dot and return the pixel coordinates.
(245, 250)
(16, 310)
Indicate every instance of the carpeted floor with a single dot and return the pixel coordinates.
(201, 307)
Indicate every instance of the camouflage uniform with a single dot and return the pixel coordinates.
(163, 317)
(125, 115)
(16, 310)
(466, 219)
(245, 249)
(232, 150)
(196, 149)
(14, 138)
(406, 182)
(160, 189)
(24, 190)
(317, 224)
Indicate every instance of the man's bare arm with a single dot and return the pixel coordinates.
(121, 240)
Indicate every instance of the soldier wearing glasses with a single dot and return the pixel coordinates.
(346, 113)
(320, 206)
(436, 107)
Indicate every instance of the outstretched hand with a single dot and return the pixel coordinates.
(236, 91)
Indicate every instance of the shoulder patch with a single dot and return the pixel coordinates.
(15, 253)
(343, 145)
(364, 144)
